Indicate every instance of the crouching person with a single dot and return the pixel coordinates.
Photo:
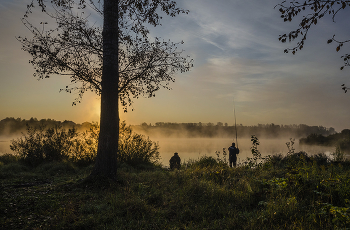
(175, 162)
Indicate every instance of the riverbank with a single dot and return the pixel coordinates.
(295, 192)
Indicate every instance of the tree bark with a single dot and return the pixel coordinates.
(106, 161)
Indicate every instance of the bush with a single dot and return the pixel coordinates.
(135, 149)
(41, 145)
(320, 159)
(296, 158)
(84, 150)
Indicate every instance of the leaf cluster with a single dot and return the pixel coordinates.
(256, 160)
(312, 12)
(74, 47)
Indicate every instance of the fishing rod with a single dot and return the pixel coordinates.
(234, 113)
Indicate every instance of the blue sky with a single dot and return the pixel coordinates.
(237, 56)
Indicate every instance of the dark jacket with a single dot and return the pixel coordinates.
(233, 151)
(175, 162)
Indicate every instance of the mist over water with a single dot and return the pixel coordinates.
(5, 145)
(194, 148)
(194, 140)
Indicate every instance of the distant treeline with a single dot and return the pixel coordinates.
(220, 129)
(12, 126)
(342, 139)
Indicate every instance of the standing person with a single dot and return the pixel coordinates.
(175, 161)
(233, 151)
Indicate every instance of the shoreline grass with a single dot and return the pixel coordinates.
(282, 193)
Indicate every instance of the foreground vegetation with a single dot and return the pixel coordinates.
(46, 185)
(292, 192)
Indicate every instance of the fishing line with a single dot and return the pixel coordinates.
(234, 113)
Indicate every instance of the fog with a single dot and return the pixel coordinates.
(191, 143)
(5, 142)
(194, 148)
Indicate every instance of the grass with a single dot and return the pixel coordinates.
(294, 192)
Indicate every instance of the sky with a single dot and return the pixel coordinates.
(238, 63)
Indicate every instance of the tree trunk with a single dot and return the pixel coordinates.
(106, 161)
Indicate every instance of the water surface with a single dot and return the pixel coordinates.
(194, 148)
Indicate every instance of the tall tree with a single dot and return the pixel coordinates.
(106, 161)
(74, 48)
(312, 12)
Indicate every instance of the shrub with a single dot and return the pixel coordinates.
(339, 154)
(320, 159)
(295, 158)
(135, 149)
(40, 144)
(84, 149)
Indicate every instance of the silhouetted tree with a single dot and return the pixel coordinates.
(312, 11)
(118, 61)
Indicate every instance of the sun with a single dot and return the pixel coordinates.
(96, 111)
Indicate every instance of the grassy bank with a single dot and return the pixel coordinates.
(294, 192)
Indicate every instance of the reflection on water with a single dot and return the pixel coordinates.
(194, 148)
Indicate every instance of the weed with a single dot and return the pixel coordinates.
(338, 155)
(290, 146)
(257, 160)
(222, 159)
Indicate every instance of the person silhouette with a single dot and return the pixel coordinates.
(233, 151)
(175, 161)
